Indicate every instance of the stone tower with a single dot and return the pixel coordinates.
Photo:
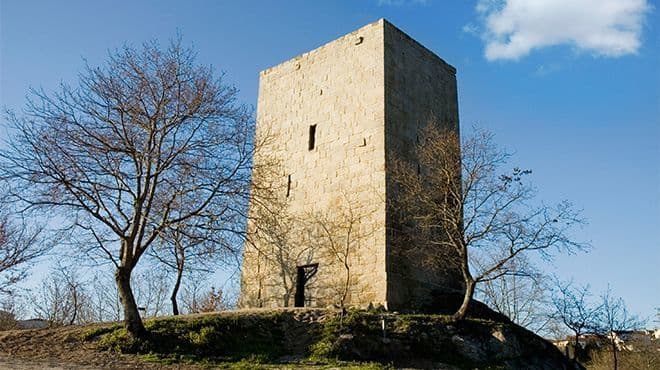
(331, 119)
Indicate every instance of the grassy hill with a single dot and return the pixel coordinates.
(295, 338)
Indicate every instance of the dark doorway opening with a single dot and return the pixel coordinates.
(305, 273)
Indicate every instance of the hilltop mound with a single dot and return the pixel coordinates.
(319, 336)
(310, 338)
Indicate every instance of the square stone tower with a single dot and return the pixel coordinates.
(330, 121)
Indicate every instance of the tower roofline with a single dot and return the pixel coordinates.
(382, 21)
(428, 51)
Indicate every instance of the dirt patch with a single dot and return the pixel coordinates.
(63, 348)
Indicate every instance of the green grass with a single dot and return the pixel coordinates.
(267, 340)
(255, 362)
(97, 332)
(213, 336)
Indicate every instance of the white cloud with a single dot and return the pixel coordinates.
(513, 28)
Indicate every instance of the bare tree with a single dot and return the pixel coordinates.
(150, 285)
(176, 249)
(211, 301)
(62, 299)
(285, 250)
(104, 299)
(187, 248)
(338, 236)
(613, 320)
(573, 307)
(20, 245)
(198, 297)
(192, 292)
(460, 209)
(148, 141)
(523, 299)
(277, 236)
(8, 313)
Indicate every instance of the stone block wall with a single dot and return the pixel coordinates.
(420, 89)
(339, 89)
(365, 94)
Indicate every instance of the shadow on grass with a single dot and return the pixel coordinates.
(217, 337)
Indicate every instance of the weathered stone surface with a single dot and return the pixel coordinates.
(366, 94)
(432, 342)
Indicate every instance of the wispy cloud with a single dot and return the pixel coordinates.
(471, 29)
(400, 2)
(546, 69)
(511, 29)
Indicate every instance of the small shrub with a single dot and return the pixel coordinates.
(97, 332)
(321, 350)
(205, 337)
(121, 341)
(7, 321)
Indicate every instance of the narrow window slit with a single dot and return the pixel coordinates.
(312, 137)
(288, 186)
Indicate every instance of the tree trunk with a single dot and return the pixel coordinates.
(347, 286)
(175, 291)
(467, 297)
(132, 319)
(576, 348)
(288, 289)
(614, 355)
(74, 297)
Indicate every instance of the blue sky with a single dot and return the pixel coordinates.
(572, 86)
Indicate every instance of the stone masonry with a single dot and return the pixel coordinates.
(331, 119)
